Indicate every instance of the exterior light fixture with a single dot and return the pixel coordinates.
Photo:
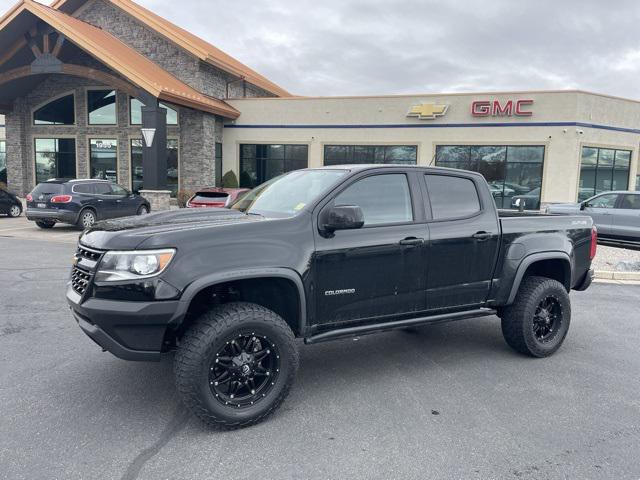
(148, 134)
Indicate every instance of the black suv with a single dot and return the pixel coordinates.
(9, 204)
(81, 202)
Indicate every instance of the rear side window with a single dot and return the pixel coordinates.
(83, 188)
(452, 197)
(630, 202)
(102, 188)
(382, 198)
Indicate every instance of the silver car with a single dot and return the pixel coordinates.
(616, 214)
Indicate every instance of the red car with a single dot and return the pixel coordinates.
(215, 197)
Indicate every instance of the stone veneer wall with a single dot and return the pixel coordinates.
(196, 132)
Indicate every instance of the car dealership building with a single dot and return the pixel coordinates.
(107, 89)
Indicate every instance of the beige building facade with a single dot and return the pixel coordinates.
(556, 145)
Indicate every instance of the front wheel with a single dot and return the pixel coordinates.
(142, 210)
(537, 322)
(15, 211)
(236, 364)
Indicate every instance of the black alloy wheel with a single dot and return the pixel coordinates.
(547, 319)
(244, 370)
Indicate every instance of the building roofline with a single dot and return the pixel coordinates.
(441, 94)
(193, 44)
(115, 54)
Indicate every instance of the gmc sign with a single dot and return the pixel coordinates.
(495, 108)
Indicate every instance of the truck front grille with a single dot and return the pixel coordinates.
(79, 280)
(88, 253)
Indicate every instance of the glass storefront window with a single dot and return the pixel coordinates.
(137, 172)
(3, 162)
(103, 160)
(259, 163)
(352, 154)
(512, 171)
(55, 158)
(61, 111)
(102, 107)
(135, 112)
(602, 170)
(637, 183)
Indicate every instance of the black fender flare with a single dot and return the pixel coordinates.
(200, 284)
(530, 260)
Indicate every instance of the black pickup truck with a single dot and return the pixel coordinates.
(321, 254)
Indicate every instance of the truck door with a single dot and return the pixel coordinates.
(378, 270)
(464, 240)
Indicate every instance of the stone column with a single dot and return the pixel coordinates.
(159, 200)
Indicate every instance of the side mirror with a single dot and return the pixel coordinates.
(343, 217)
(583, 205)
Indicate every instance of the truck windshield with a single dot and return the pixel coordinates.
(288, 194)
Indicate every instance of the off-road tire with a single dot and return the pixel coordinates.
(198, 348)
(518, 318)
(45, 224)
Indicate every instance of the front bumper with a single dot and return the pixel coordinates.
(586, 281)
(59, 215)
(128, 330)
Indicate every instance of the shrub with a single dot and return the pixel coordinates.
(229, 180)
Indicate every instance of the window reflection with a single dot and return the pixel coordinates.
(514, 172)
(602, 170)
(137, 171)
(359, 154)
(259, 163)
(102, 107)
(55, 158)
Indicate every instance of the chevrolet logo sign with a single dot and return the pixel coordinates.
(427, 111)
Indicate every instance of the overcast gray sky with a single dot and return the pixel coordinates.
(354, 47)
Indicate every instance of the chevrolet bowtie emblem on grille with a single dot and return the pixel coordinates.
(427, 111)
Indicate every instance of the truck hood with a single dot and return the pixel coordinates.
(129, 232)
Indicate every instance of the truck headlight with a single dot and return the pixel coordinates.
(119, 266)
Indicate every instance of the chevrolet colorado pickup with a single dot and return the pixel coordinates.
(321, 254)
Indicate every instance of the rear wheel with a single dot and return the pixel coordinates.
(46, 224)
(537, 322)
(15, 211)
(86, 219)
(236, 364)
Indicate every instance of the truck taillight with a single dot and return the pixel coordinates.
(594, 242)
(61, 199)
(29, 198)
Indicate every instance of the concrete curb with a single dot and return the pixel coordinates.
(613, 275)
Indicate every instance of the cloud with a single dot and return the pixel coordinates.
(357, 47)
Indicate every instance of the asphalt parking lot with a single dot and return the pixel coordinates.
(450, 401)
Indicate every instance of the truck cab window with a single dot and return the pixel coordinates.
(452, 197)
(384, 199)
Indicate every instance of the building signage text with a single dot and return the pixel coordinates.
(506, 108)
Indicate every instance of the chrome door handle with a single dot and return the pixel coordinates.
(412, 241)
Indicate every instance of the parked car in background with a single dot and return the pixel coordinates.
(81, 202)
(615, 214)
(215, 197)
(9, 204)
(531, 200)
